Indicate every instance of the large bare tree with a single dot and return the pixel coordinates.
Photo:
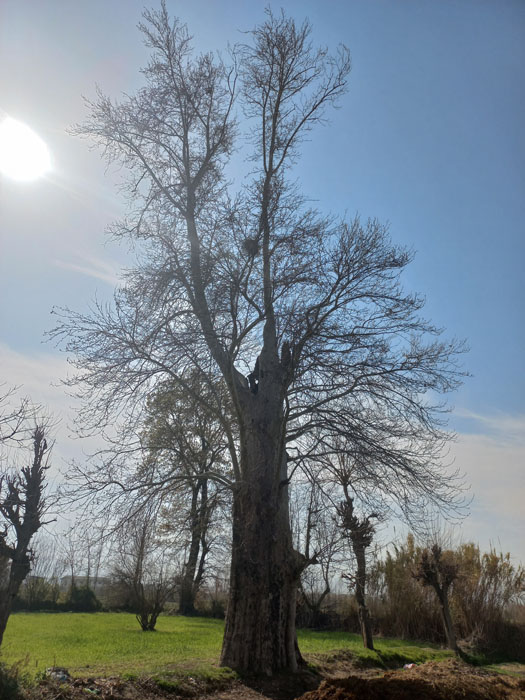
(301, 317)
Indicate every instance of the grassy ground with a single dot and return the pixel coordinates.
(389, 653)
(110, 643)
(104, 644)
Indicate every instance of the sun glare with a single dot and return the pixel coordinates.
(23, 154)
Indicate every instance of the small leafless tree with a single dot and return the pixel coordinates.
(360, 532)
(317, 537)
(22, 508)
(82, 551)
(17, 416)
(71, 555)
(143, 568)
(439, 570)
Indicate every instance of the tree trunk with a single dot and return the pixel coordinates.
(5, 610)
(260, 621)
(194, 568)
(447, 619)
(186, 597)
(20, 567)
(360, 583)
(314, 606)
(187, 594)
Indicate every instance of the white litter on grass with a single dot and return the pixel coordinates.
(58, 673)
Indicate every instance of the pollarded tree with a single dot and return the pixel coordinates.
(439, 570)
(360, 532)
(22, 508)
(301, 318)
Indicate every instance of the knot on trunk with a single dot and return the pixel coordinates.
(254, 377)
(361, 532)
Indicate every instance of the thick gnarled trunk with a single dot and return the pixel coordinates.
(260, 623)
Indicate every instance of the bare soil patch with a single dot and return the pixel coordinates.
(276, 688)
(444, 680)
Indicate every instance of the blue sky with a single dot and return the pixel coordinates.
(429, 137)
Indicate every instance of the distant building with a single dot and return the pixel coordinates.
(96, 585)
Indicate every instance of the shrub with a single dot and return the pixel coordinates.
(10, 681)
(400, 607)
(217, 609)
(82, 599)
(487, 591)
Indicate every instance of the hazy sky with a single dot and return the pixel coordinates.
(429, 137)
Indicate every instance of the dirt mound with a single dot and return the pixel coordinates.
(445, 680)
(101, 688)
(451, 680)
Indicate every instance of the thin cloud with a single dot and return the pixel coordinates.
(493, 460)
(36, 373)
(503, 426)
(93, 267)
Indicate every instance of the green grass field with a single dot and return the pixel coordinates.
(113, 644)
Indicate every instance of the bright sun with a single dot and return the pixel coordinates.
(23, 154)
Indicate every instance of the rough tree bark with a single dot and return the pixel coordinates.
(265, 569)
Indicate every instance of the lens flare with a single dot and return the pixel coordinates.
(23, 154)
